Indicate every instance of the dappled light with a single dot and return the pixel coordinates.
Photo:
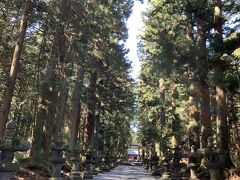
(120, 89)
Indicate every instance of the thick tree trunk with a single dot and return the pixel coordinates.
(101, 133)
(163, 147)
(223, 136)
(222, 124)
(62, 102)
(194, 130)
(175, 120)
(206, 124)
(14, 68)
(76, 106)
(162, 110)
(193, 110)
(90, 118)
(38, 134)
(60, 51)
(96, 131)
(57, 96)
(49, 129)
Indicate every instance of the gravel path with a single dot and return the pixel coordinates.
(126, 173)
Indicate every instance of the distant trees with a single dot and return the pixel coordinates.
(181, 50)
(8, 93)
(73, 72)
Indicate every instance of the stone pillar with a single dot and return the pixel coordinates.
(101, 163)
(107, 162)
(9, 144)
(143, 156)
(111, 162)
(75, 174)
(165, 174)
(94, 165)
(194, 163)
(147, 163)
(155, 163)
(175, 174)
(115, 161)
(88, 170)
(57, 159)
(212, 161)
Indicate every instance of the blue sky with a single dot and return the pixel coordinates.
(134, 24)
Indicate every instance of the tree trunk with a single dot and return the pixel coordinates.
(223, 137)
(62, 102)
(76, 106)
(38, 134)
(222, 124)
(163, 147)
(175, 120)
(14, 68)
(96, 134)
(206, 124)
(90, 118)
(194, 130)
(162, 110)
(221, 109)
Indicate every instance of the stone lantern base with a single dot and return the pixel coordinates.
(7, 170)
(165, 176)
(75, 176)
(87, 175)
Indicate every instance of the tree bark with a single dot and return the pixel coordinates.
(38, 134)
(204, 97)
(14, 68)
(76, 106)
(194, 130)
(97, 124)
(206, 124)
(162, 110)
(222, 124)
(163, 147)
(90, 118)
(223, 137)
(175, 120)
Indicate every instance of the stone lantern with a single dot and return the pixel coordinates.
(57, 159)
(88, 171)
(165, 174)
(75, 174)
(107, 161)
(95, 164)
(101, 163)
(194, 162)
(212, 161)
(8, 145)
(176, 164)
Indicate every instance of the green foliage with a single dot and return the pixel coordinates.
(93, 38)
(171, 56)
